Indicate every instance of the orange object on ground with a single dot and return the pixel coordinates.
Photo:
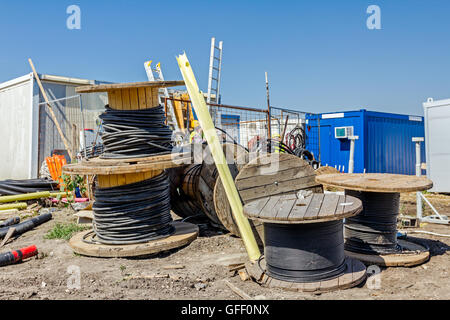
(55, 165)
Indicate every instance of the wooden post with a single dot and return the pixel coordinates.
(269, 116)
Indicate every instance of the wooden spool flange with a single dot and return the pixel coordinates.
(267, 175)
(354, 274)
(413, 253)
(184, 234)
(212, 202)
(316, 208)
(416, 254)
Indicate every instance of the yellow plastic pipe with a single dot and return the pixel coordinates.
(25, 196)
(201, 110)
(31, 196)
(20, 205)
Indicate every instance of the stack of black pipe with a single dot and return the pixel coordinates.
(13, 187)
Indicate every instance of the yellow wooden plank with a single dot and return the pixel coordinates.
(103, 181)
(148, 96)
(201, 110)
(155, 97)
(121, 179)
(134, 102)
(126, 104)
(113, 182)
(112, 99)
(118, 101)
(142, 98)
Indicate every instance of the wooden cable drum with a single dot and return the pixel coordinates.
(221, 203)
(304, 242)
(132, 204)
(269, 175)
(236, 157)
(372, 235)
(184, 191)
(328, 170)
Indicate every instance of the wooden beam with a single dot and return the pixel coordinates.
(52, 114)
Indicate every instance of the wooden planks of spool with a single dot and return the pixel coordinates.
(119, 172)
(290, 210)
(410, 252)
(265, 175)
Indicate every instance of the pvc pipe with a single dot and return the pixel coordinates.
(25, 196)
(418, 173)
(31, 196)
(351, 161)
(20, 205)
(201, 109)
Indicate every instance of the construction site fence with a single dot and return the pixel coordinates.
(249, 126)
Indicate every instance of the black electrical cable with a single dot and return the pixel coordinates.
(304, 154)
(304, 252)
(133, 213)
(296, 138)
(273, 145)
(374, 230)
(231, 138)
(135, 133)
(13, 187)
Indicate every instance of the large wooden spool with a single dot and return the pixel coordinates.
(194, 186)
(268, 175)
(129, 96)
(124, 171)
(411, 253)
(292, 211)
(236, 157)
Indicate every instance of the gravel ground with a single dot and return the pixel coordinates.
(198, 270)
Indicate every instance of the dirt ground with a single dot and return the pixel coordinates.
(205, 267)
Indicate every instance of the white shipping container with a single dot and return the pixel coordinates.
(28, 133)
(437, 142)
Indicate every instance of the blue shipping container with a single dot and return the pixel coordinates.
(384, 145)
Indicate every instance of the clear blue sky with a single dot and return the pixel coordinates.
(319, 54)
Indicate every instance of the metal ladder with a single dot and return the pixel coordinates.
(163, 92)
(215, 68)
